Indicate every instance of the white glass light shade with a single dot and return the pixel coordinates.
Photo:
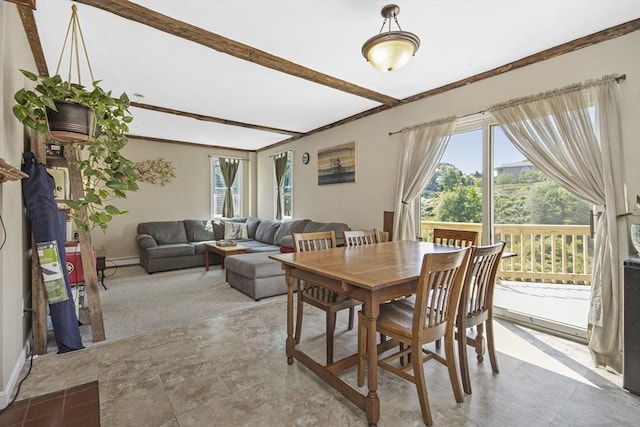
(390, 51)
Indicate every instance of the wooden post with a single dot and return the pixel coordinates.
(388, 223)
(72, 153)
(38, 293)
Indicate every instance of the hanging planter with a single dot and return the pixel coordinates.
(71, 122)
(91, 117)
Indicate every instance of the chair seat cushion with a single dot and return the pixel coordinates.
(178, 249)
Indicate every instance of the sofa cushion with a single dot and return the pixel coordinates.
(199, 230)
(255, 246)
(252, 226)
(337, 227)
(172, 250)
(235, 230)
(165, 232)
(312, 227)
(218, 228)
(267, 230)
(289, 227)
(287, 242)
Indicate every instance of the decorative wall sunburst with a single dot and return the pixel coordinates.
(155, 171)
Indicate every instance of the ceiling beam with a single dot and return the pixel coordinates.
(167, 24)
(31, 30)
(214, 119)
(579, 43)
(29, 3)
(195, 144)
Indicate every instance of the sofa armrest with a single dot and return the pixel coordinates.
(145, 241)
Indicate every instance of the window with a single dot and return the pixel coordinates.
(218, 189)
(287, 189)
(283, 183)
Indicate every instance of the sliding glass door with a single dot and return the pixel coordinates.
(484, 183)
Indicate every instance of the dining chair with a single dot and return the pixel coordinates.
(329, 301)
(360, 237)
(454, 237)
(476, 308)
(413, 325)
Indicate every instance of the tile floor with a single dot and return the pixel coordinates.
(231, 370)
(72, 407)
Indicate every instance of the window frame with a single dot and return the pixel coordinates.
(236, 188)
(286, 193)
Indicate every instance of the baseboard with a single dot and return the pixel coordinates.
(5, 395)
(121, 262)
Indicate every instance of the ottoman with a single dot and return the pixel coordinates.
(256, 275)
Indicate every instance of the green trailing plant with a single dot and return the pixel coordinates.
(106, 174)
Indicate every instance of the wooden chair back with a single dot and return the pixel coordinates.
(304, 242)
(360, 237)
(480, 281)
(438, 294)
(459, 238)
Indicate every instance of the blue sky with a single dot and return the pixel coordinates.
(465, 151)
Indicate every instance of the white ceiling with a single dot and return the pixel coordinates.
(459, 39)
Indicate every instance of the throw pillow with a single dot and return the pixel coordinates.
(235, 230)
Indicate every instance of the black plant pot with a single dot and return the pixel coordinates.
(71, 123)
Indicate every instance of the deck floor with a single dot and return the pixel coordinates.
(558, 303)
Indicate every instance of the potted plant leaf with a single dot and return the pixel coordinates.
(106, 173)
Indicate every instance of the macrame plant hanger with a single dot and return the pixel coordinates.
(74, 30)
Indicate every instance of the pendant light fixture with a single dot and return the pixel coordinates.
(391, 50)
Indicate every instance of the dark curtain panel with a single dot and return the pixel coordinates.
(229, 168)
(280, 162)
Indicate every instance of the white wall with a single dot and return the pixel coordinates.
(14, 267)
(361, 204)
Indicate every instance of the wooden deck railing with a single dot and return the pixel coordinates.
(544, 253)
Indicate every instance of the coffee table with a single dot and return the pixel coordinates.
(223, 251)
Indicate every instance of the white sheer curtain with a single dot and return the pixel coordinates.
(422, 150)
(558, 132)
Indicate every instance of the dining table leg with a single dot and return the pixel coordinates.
(291, 342)
(372, 404)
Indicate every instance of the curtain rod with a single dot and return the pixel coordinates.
(280, 153)
(417, 126)
(617, 79)
(227, 157)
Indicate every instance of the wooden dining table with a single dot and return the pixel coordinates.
(372, 274)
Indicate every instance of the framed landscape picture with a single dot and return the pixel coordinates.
(337, 164)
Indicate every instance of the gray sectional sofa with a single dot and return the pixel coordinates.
(171, 245)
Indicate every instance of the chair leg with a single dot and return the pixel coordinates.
(351, 315)
(421, 386)
(491, 345)
(331, 327)
(362, 348)
(480, 342)
(450, 356)
(438, 344)
(464, 361)
(299, 315)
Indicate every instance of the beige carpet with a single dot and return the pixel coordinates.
(137, 303)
